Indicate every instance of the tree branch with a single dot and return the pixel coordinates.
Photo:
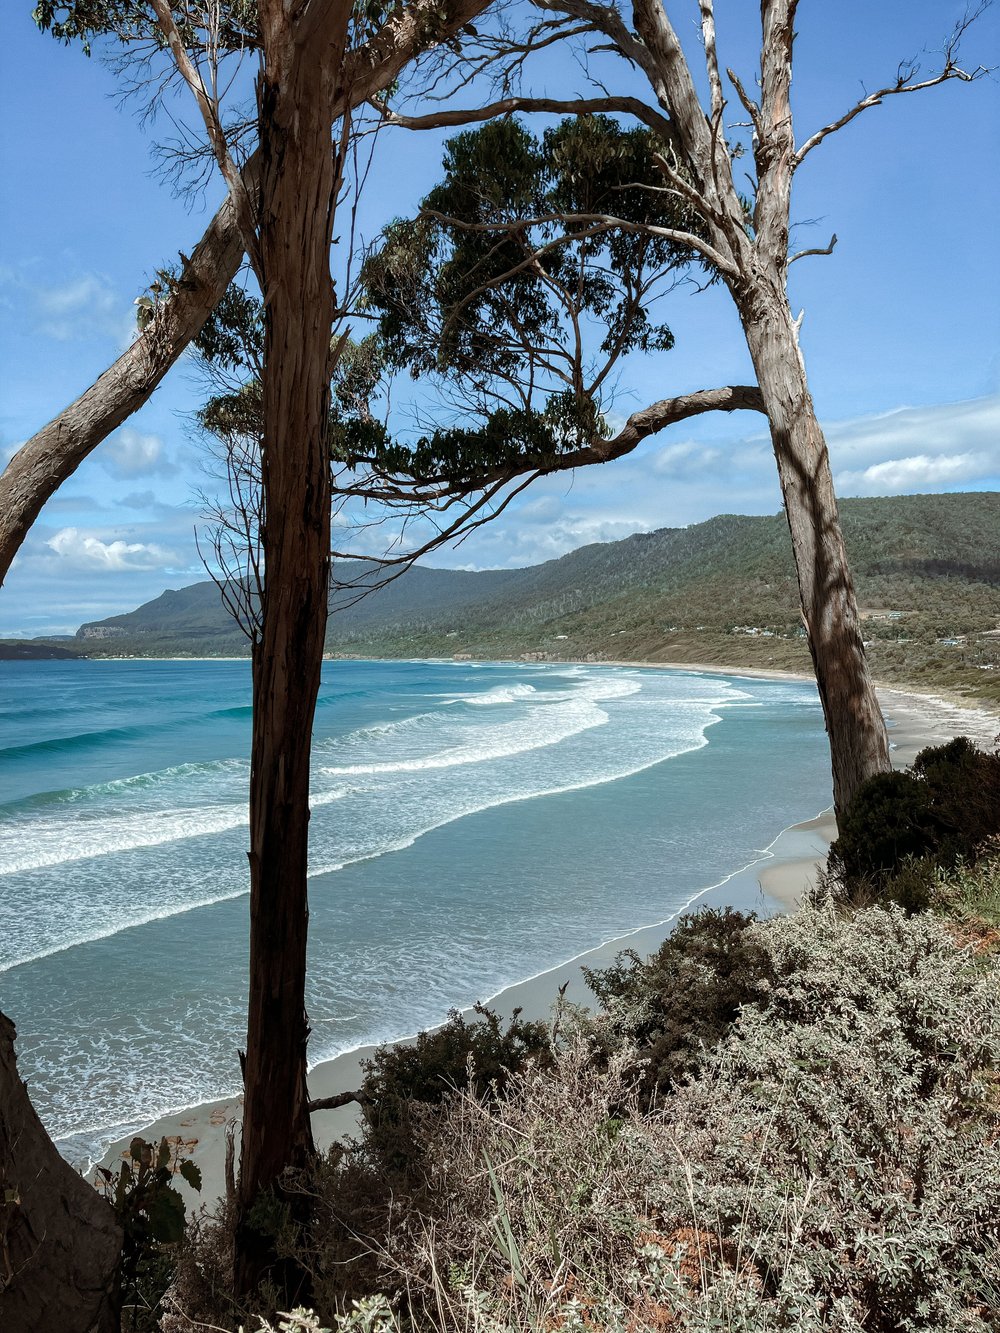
(334, 1103)
(711, 57)
(668, 412)
(213, 127)
(904, 76)
(52, 455)
(749, 105)
(602, 221)
(828, 251)
(639, 426)
(555, 106)
(479, 493)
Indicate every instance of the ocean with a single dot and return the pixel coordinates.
(473, 824)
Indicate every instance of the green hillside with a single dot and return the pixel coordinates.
(927, 569)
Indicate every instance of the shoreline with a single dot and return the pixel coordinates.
(773, 882)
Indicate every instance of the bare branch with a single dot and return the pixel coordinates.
(668, 412)
(209, 109)
(602, 222)
(607, 19)
(749, 105)
(905, 83)
(711, 57)
(556, 106)
(341, 1098)
(827, 251)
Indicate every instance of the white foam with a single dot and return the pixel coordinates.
(393, 802)
(503, 694)
(140, 1072)
(40, 843)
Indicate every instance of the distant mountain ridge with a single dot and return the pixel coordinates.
(927, 569)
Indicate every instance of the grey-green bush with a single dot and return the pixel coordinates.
(834, 1163)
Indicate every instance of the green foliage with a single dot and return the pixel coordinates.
(970, 897)
(686, 997)
(831, 1165)
(901, 826)
(506, 256)
(401, 1079)
(151, 1214)
(233, 335)
(233, 23)
(234, 416)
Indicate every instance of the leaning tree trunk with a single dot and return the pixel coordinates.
(59, 1241)
(298, 188)
(52, 455)
(858, 743)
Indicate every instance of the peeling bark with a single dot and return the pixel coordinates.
(59, 1240)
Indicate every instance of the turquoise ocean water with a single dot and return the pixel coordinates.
(473, 825)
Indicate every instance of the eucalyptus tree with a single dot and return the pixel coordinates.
(743, 242)
(524, 335)
(315, 61)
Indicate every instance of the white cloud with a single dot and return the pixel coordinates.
(72, 310)
(130, 454)
(916, 449)
(949, 430)
(685, 458)
(78, 308)
(90, 552)
(899, 476)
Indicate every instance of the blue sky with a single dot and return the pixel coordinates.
(901, 331)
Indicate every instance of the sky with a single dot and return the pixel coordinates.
(901, 328)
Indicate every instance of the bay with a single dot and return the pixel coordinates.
(473, 824)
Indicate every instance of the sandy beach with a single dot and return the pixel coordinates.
(772, 883)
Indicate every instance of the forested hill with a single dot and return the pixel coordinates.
(927, 568)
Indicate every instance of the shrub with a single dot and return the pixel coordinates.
(901, 826)
(964, 787)
(151, 1214)
(480, 1056)
(686, 996)
(969, 899)
(833, 1164)
(355, 1188)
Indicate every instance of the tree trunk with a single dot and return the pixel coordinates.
(298, 189)
(59, 1241)
(859, 745)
